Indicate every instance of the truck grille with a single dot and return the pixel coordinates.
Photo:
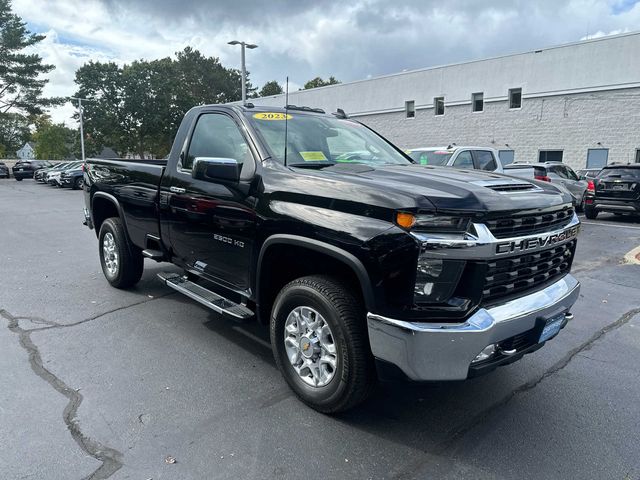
(529, 223)
(508, 276)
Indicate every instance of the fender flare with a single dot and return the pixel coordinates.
(110, 198)
(337, 253)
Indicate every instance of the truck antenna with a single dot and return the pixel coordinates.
(286, 119)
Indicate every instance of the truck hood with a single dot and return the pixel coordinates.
(442, 188)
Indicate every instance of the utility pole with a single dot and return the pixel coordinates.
(244, 69)
(81, 122)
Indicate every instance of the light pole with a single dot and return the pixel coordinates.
(81, 124)
(244, 45)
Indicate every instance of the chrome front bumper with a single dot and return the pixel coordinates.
(430, 351)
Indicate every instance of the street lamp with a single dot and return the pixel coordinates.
(244, 70)
(80, 112)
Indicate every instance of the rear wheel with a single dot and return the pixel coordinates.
(590, 213)
(19, 179)
(320, 343)
(122, 263)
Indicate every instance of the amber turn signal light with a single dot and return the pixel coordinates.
(405, 220)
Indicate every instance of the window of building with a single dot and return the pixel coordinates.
(477, 102)
(550, 156)
(637, 155)
(506, 156)
(438, 105)
(597, 157)
(410, 108)
(515, 98)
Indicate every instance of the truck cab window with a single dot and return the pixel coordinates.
(218, 136)
(464, 160)
(485, 160)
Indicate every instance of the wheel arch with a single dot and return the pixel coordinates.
(335, 257)
(103, 206)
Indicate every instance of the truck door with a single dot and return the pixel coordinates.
(211, 223)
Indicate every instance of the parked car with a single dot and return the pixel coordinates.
(73, 177)
(4, 170)
(53, 177)
(478, 158)
(616, 189)
(41, 174)
(588, 173)
(554, 172)
(430, 273)
(26, 168)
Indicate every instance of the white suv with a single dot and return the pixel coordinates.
(479, 158)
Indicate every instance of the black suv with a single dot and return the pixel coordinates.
(26, 168)
(616, 189)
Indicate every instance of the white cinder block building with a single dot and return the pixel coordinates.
(579, 103)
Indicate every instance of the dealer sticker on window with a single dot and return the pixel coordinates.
(313, 156)
(272, 116)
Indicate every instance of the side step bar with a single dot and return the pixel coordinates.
(206, 297)
(156, 255)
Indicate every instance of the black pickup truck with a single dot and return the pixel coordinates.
(364, 264)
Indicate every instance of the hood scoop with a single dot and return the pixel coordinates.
(506, 186)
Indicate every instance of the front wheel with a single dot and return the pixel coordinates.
(19, 179)
(78, 184)
(122, 263)
(320, 343)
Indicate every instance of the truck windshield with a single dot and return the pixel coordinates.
(315, 141)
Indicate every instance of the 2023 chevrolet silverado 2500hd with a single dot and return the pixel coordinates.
(364, 264)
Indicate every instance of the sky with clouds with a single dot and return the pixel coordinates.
(303, 39)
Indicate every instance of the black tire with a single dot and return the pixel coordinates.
(590, 213)
(580, 207)
(130, 262)
(354, 377)
(19, 179)
(78, 183)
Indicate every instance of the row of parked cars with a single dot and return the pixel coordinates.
(65, 174)
(614, 188)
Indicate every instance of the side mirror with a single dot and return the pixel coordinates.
(211, 169)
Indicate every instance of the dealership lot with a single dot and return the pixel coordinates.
(101, 383)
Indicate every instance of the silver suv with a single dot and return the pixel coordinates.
(557, 173)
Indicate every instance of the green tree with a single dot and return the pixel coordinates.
(138, 107)
(53, 141)
(319, 82)
(21, 81)
(270, 88)
(14, 131)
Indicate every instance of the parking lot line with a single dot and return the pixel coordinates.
(633, 227)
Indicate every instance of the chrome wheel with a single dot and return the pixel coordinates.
(110, 253)
(310, 346)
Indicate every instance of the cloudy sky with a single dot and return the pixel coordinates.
(303, 39)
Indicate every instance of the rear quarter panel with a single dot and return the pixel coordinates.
(135, 186)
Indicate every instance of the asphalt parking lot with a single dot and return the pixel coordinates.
(101, 383)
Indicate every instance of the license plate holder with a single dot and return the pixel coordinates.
(619, 187)
(551, 327)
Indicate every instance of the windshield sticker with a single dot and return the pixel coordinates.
(313, 156)
(272, 116)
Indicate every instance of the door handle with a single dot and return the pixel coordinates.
(177, 190)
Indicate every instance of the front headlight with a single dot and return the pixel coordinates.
(432, 223)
